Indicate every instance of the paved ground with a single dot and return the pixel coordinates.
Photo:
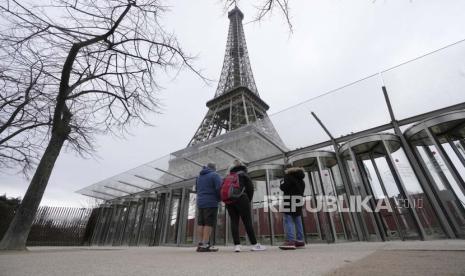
(445, 257)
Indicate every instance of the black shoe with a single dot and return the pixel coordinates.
(207, 249)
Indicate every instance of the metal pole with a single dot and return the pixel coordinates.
(403, 190)
(167, 217)
(424, 183)
(332, 228)
(180, 217)
(142, 220)
(270, 217)
(456, 151)
(341, 216)
(344, 176)
(365, 189)
(112, 215)
(316, 215)
(383, 188)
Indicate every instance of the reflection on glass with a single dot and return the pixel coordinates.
(445, 185)
(148, 223)
(191, 226)
(368, 223)
(173, 221)
(129, 223)
(310, 219)
(260, 218)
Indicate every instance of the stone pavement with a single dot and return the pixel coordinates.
(442, 257)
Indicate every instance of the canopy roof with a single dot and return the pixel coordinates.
(247, 144)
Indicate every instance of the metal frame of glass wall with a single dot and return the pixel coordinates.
(425, 165)
(439, 144)
(378, 167)
(323, 178)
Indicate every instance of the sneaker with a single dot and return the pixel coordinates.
(207, 248)
(237, 248)
(199, 246)
(258, 247)
(299, 244)
(288, 245)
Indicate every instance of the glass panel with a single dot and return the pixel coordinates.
(421, 203)
(322, 216)
(220, 233)
(278, 226)
(147, 226)
(310, 219)
(129, 223)
(159, 218)
(113, 225)
(401, 213)
(173, 221)
(368, 223)
(431, 82)
(445, 185)
(191, 226)
(260, 218)
(100, 232)
(388, 219)
(341, 192)
(137, 221)
(456, 161)
(329, 188)
(121, 225)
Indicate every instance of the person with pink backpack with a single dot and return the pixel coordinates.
(237, 193)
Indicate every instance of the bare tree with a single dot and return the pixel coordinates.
(24, 111)
(100, 66)
(93, 71)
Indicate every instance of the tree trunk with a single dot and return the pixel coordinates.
(16, 236)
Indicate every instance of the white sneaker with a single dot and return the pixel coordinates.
(258, 247)
(237, 248)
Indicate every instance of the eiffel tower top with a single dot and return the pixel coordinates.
(236, 71)
(236, 102)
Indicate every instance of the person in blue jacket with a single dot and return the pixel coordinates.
(208, 187)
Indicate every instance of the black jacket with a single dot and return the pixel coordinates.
(244, 180)
(293, 185)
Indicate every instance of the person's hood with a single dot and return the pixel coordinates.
(238, 168)
(299, 172)
(206, 170)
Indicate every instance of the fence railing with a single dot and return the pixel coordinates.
(62, 226)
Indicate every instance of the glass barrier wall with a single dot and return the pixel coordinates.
(439, 144)
(418, 89)
(321, 185)
(268, 225)
(379, 161)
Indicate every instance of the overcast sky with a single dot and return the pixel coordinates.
(334, 42)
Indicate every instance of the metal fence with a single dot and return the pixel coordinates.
(62, 226)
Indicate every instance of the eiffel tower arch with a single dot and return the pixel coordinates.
(236, 102)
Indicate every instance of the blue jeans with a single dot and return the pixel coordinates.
(293, 227)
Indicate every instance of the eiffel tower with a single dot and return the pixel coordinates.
(236, 102)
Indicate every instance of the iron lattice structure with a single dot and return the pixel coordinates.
(236, 71)
(236, 102)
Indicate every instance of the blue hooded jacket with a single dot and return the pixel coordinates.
(208, 188)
